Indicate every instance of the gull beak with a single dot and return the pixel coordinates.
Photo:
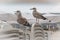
(31, 9)
(15, 13)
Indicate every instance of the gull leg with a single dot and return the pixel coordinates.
(36, 20)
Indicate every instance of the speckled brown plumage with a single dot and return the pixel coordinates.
(22, 20)
(37, 15)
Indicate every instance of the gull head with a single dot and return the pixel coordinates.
(33, 9)
(18, 13)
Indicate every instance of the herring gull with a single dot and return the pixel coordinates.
(37, 15)
(21, 20)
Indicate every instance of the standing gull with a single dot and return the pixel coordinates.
(37, 15)
(21, 19)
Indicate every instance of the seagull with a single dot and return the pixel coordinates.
(21, 20)
(37, 15)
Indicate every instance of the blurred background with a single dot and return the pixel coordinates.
(29, 1)
(51, 9)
